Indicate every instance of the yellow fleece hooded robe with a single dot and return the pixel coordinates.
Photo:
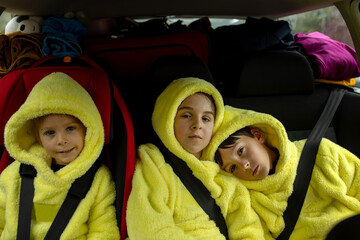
(334, 190)
(160, 206)
(95, 216)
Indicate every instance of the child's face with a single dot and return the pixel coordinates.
(194, 123)
(62, 136)
(248, 158)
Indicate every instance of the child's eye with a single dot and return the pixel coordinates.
(186, 115)
(241, 150)
(206, 119)
(71, 128)
(232, 168)
(49, 133)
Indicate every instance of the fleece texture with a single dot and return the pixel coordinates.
(333, 194)
(160, 206)
(95, 216)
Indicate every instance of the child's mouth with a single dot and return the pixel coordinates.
(195, 137)
(255, 170)
(66, 151)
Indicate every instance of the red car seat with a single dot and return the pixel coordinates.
(119, 137)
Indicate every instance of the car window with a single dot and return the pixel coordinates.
(326, 20)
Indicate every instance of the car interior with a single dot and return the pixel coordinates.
(138, 47)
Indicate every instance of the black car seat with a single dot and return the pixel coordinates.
(282, 84)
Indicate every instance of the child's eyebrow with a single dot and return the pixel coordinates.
(209, 112)
(74, 122)
(66, 124)
(185, 108)
(190, 108)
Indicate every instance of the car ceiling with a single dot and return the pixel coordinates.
(145, 8)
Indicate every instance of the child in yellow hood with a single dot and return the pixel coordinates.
(62, 136)
(245, 155)
(59, 131)
(255, 148)
(185, 116)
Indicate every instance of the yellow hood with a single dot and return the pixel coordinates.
(236, 118)
(269, 195)
(56, 93)
(167, 104)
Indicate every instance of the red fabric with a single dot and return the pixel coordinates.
(132, 57)
(130, 159)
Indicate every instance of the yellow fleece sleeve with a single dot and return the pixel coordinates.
(241, 219)
(336, 174)
(348, 169)
(333, 193)
(245, 224)
(102, 220)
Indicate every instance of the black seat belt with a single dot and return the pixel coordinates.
(197, 189)
(77, 192)
(307, 162)
(27, 173)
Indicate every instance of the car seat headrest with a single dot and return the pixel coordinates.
(166, 69)
(16, 86)
(275, 73)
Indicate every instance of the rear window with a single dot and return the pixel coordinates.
(326, 20)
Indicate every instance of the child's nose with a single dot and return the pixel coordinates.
(245, 164)
(61, 139)
(196, 124)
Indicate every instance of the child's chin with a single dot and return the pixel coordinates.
(64, 161)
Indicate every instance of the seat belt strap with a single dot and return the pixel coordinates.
(307, 162)
(197, 189)
(27, 173)
(77, 192)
